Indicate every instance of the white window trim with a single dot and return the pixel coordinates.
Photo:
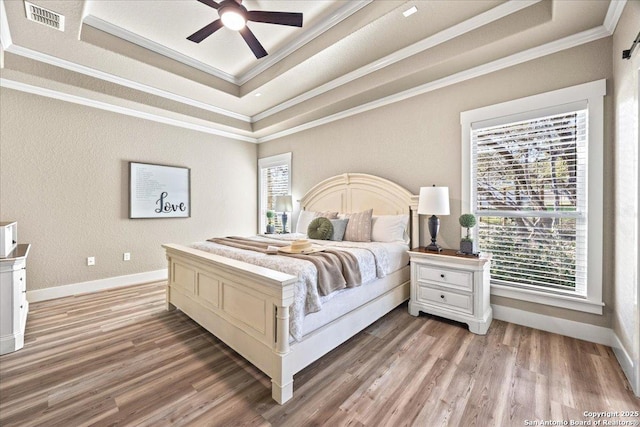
(593, 93)
(268, 162)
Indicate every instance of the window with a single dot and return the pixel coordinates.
(534, 180)
(274, 180)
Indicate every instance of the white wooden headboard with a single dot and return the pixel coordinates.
(355, 192)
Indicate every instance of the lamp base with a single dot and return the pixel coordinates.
(434, 247)
(284, 222)
(434, 225)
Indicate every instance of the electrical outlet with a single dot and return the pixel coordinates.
(126, 256)
(91, 260)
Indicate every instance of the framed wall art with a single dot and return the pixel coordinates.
(159, 191)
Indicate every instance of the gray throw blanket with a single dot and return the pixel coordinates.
(336, 269)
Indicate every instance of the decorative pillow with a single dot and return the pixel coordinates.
(320, 229)
(389, 228)
(304, 219)
(339, 227)
(327, 214)
(359, 226)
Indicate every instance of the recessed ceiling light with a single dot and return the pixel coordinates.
(410, 11)
(257, 94)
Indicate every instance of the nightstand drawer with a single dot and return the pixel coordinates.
(457, 279)
(450, 300)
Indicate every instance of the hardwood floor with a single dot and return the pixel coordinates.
(118, 358)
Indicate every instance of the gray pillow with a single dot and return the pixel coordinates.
(320, 229)
(339, 227)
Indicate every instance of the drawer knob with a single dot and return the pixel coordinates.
(442, 296)
(442, 275)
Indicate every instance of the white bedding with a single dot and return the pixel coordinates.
(376, 260)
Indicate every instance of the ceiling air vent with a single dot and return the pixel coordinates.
(44, 16)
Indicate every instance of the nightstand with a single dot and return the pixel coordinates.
(451, 285)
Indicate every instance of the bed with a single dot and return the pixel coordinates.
(248, 306)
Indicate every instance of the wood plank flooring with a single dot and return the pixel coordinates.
(118, 358)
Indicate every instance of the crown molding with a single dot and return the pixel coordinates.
(605, 30)
(343, 13)
(490, 67)
(5, 34)
(457, 30)
(613, 14)
(481, 70)
(55, 94)
(92, 72)
(144, 42)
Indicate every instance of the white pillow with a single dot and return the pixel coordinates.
(304, 219)
(389, 228)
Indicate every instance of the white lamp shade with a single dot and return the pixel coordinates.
(284, 204)
(434, 201)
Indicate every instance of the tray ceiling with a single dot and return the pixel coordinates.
(349, 56)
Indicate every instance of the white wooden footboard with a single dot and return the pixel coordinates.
(246, 306)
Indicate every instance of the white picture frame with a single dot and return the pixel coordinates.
(159, 191)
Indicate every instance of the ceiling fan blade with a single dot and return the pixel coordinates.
(253, 43)
(210, 3)
(205, 31)
(292, 19)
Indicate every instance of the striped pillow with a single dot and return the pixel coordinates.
(359, 226)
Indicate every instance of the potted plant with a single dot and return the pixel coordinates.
(270, 227)
(466, 243)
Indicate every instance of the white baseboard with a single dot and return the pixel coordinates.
(95, 285)
(11, 343)
(626, 363)
(569, 328)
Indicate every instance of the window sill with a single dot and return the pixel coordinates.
(564, 301)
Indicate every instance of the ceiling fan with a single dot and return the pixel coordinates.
(234, 16)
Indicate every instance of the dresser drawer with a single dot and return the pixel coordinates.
(445, 277)
(20, 280)
(450, 300)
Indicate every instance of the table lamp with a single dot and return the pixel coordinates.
(434, 201)
(284, 204)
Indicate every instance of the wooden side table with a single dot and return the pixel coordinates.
(453, 286)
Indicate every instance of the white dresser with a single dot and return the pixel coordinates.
(13, 299)
(453, 286)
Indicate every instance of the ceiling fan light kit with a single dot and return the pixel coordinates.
(234, 15)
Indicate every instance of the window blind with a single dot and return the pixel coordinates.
(275, 181)
(530, 197)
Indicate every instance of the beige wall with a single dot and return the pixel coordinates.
(64, 178)
(417, 142)
(626, 320)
